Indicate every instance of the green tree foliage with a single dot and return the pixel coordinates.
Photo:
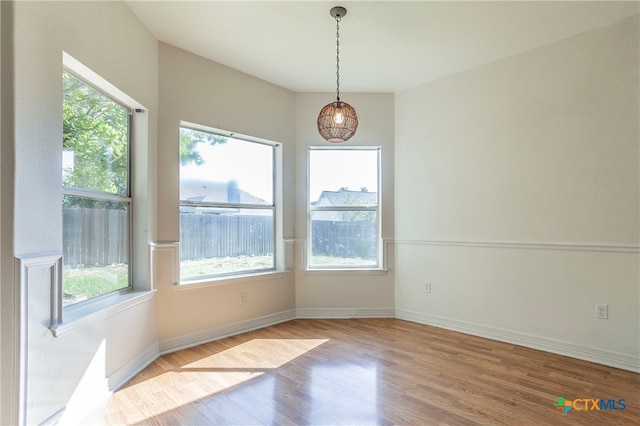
(96, 132)
(190, 140)
(96, 141)
(351, 199)
(359, 216)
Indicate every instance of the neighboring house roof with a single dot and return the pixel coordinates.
(203, 190)
(226, 192)
(345, 197)
(342, 197)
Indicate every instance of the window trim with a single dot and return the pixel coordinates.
(231, 279)
(379, 267)
(227, 277)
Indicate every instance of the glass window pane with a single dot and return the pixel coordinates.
(95, 248)
(343, 177)
(222, 169)
(344, 238)
(95, 139)
(343, 208)
(217, 241)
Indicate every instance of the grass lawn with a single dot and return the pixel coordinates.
(79, 284)
(341, 261)
(85, 283)
(223, 265)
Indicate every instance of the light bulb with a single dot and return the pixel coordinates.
(338, 118)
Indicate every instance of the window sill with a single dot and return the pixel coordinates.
(346, 271)
(214, 282)
(81, 316)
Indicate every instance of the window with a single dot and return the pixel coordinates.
(227, 208)
(96, 202)
(344, 207)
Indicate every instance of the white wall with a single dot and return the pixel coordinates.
(106, 37)
(517, 197)
(346, 294)
(197, 90)
(513, 188)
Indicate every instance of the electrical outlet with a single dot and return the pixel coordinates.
(602, 311)
(243, 298)
(427, 287)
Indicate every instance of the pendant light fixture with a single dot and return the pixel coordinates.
(337, 121)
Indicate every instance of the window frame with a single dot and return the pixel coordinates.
(91, 79)
(379, 264)
(197, 281)
(73, 317)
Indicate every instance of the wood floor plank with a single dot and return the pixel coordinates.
(367, 371)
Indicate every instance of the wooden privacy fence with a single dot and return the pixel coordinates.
(99, 237)
(203, 236)
(94, 237)
(352, 238)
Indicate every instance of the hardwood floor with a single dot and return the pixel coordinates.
(368, 371)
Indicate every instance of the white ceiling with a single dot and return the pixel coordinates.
(385, 46)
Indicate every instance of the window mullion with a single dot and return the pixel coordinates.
(344, 208)
(225, 205)
(95, 195)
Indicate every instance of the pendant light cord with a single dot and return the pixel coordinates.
(338, 57)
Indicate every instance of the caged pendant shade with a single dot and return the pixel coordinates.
(337, 121)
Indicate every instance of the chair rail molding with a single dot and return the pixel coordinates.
(594, 247)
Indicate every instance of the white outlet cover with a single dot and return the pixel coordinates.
(602, 311)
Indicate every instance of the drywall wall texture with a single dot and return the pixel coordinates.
(517, 197)
(344, 293)
(107, 38)
(196, 90)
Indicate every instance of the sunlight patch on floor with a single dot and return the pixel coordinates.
(258, 353)
(204, 378)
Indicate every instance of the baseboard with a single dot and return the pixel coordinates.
(600, 356)
(198, 338)
(125, 373)
(343, 313)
